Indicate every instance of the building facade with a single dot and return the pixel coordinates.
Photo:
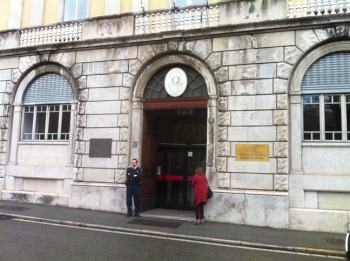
(255, 92)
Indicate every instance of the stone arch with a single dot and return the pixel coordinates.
(20, 89)
(43, 69)
(295, 98)
(137, 106)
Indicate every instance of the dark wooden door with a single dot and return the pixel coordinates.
(149, 160)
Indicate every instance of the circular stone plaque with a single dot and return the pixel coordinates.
(175, 82)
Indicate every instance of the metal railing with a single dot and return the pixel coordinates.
(303, 8)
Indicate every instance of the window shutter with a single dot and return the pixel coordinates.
(330, 74)
(48, 89)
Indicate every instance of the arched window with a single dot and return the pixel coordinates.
(326, 99)
(47, 109)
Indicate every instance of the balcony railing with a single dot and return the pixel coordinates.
(179, 19)
(161, 21)
(303, 8)
(68, 32)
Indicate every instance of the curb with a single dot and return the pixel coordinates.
(293, 249)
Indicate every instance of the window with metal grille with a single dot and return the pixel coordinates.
(326, 99)
(47, 109)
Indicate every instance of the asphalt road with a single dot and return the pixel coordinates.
(25, 240)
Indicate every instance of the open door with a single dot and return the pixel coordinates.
(149, 157)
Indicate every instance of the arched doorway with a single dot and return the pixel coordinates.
(177, 131)
(174, 137)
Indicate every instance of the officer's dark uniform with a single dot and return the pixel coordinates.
(133, 182)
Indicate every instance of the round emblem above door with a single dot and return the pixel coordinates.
(175, 82)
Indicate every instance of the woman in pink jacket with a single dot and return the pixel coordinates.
(199, 183)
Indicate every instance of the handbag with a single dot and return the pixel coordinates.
(210, 192)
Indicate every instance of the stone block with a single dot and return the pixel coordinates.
(98, 175)
(221, 74)
(281, 149)
(306, 39)
(224, 119)
(252, 71)
(224, 149)
(234, 43)
(280, 182)
(5, 75)
(221, 164)
(123, 120)
(222, 134)
(270, 210)
(66, 59)
(318, 220)
(251, 118)
(110, 80)
(282, 165)
(214, 61)
(9, 63)
(225, 89)
(252, 134)
(103, 107)
(284, 70)
(252, 181)
(252, 56)
(203, 48)
(275, 39)
(269, 167)
(223, 180)
(103, 94)
(292, 54)
(258, 102)
(282, 101)
(101, 133)
(145, 53)
(282, 133)
(102, 163)
(134, 66)
(252, 87)
(102, 121)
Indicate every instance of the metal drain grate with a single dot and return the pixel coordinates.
(15, 208)
(155, 223)
(335, 241)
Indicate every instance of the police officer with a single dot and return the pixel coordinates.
(133, 182)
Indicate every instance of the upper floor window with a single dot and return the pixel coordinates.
(326, 99)
(47, 109)
(75, 9)
(189, 2)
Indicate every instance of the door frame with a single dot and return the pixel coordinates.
(137, 106)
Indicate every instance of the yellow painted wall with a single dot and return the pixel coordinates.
(158, 4)
(97, 8)
(26, 13)
(4, 14)
(51, 12)
(126, 6)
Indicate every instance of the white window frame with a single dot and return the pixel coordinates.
(188, 3)
(343, 105)
(45, 136)
(77, 8)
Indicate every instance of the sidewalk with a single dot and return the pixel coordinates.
(260, 237)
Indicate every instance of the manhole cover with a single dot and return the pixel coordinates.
(154, 223)
(16, 208)
(335, 241)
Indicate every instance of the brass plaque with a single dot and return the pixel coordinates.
(252, 152)
(100, 148)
